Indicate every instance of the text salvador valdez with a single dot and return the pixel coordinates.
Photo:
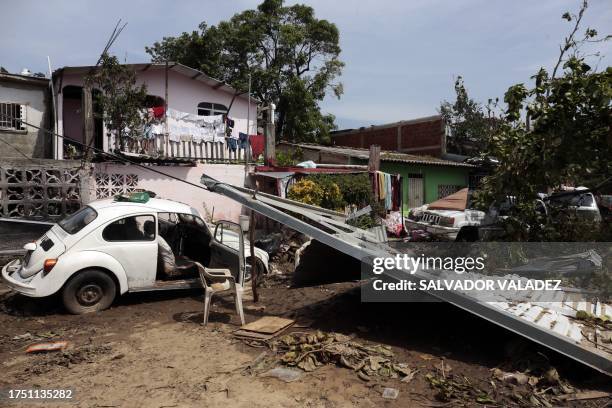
(466, 285)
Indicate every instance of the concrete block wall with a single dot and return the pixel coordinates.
(423, 136)
(165, 187)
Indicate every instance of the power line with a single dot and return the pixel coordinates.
(113, 155)
(114, 35)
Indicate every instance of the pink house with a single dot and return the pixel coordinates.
(188, 90)
(185, 90)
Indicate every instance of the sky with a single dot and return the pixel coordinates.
(402, 57)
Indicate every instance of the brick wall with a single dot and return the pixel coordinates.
(420, 136)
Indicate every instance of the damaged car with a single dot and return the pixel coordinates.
(579, 201)
(114, 246)
(448, 218)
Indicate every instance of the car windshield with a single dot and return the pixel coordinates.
(585, 200)
(78, 220)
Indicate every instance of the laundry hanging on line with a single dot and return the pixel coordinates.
(232, 144)
(157, 111)
(257, 145)
(387, 188)
(189, 127)
(243, 140)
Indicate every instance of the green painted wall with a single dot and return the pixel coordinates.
(433, 176)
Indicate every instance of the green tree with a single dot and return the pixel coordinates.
(569, 139)
(469, 127)
(120, 99)
(291, 56)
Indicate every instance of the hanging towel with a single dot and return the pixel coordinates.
(232, 143)
(389, 193)
(396, 188)
(243, 140)
(158, 111)
(381, 185)
(257, 145)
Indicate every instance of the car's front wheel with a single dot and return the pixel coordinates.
(89, 291)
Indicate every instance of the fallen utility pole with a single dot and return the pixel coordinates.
(325, 227)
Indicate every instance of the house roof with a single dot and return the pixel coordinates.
(387, 156)
(192, 73)
(24, 79)
(284, 171)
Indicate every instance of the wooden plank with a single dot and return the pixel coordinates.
(268, 325)
(245, 334)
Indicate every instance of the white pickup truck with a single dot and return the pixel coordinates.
(447, 218)
(449, 225)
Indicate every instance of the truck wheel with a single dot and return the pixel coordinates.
(89, 291)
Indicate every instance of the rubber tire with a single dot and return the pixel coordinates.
(89, 276)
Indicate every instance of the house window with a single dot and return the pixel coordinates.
(211, 109)
(11, 116)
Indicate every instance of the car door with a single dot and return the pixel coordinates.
(132, 241)
(225, 247)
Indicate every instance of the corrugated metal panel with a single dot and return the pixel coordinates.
(275, 174)
(557, 315)
(364, 154)
(550, 323)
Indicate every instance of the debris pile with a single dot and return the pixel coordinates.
(541, 386)
(282, 248)
(311, 350)
(595, 325)
(69, 357)
(457, 387)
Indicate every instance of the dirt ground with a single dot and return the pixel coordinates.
(150, 350)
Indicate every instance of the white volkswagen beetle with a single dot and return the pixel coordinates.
(111, 247)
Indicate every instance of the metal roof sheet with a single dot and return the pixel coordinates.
(552, 322)
(275, 174)
(388, 156)
(24, 79)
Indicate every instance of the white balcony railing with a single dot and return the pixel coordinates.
(161, 147)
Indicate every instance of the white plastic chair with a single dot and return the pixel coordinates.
(212, 276)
